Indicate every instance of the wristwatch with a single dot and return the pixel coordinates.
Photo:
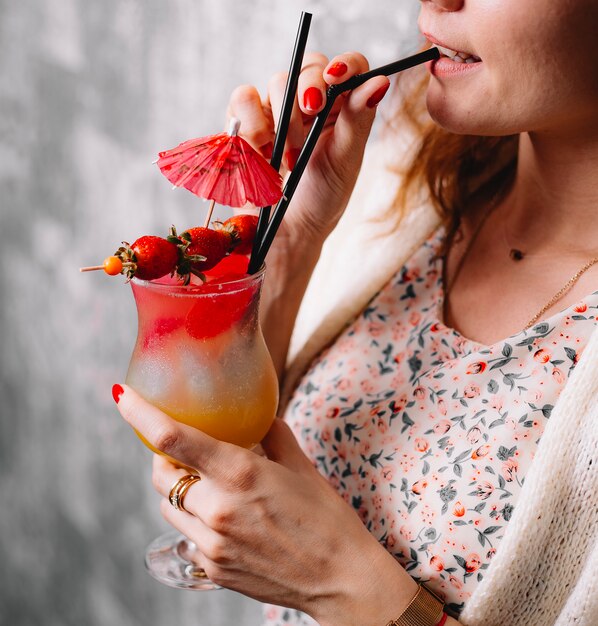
(426, 609)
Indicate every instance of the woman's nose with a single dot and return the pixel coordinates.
(446, 5)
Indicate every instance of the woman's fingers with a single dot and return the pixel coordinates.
(311, 91)
(165, 475)
(181, 442)
(356, 117)
(344, 66)
(210, 545)
(256, 124)
(353, 114)
(354, 121)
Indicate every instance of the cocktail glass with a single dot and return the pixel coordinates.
(200, 357)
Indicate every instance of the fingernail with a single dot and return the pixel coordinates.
(377, 96)
(337, 69)
(117, 392)
(267, 149)
(312, 99)
(291, 156)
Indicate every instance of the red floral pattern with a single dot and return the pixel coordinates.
(427, 434)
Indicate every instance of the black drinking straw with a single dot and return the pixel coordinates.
(283, 122)
(310, 143)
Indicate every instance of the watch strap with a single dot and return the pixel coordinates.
(426, 609)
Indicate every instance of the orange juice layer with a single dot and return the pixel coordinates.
(242, 423)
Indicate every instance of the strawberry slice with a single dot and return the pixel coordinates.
(232, 264)
(160, 328)
(224, 304)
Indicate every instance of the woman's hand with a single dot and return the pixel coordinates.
(328, 181)
(326, 184)
(272, 528)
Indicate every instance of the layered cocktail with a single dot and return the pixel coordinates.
(201, 358)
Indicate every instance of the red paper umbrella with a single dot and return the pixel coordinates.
(223, 168)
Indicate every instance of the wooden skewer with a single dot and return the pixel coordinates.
(95, 268)
(92, 268)
(209, 215)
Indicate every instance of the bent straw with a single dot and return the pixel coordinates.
(285, 117)
(310, 143)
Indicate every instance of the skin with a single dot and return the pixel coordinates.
(546, 90)
(248, 514)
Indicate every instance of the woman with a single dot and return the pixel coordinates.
(443, 376)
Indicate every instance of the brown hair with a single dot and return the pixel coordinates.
(456, 173)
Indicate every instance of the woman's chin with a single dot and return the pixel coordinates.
(461, 119)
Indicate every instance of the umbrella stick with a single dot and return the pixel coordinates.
(285, 117)
(310, 143)
(209, 215)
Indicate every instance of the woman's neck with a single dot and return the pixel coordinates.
(553, 203)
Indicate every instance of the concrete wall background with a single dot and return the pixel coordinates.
(89, 92)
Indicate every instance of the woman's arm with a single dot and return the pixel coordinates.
(290, 267)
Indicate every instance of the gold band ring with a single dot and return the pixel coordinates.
(179, 490)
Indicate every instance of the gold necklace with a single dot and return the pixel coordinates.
(561, 292)
(557, 296)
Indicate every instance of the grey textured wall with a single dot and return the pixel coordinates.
(89, 92)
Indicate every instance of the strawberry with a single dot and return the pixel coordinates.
(242, 229)
(148, 258)
(201, 248)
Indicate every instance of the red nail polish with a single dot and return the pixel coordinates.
(377, 96)
(267, 149)
(337, 69)
(291, 156)
(117, 392)
(312, 99)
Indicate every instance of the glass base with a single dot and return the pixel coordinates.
(169, 560)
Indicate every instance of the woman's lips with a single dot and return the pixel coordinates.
(444, 46)
(447, 67)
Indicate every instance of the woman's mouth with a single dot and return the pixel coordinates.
(457, 56)
(453, 63)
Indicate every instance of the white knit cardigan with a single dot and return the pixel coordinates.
(545, 570)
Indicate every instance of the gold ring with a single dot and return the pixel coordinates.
(179, 490)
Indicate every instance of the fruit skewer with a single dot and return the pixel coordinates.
(194, 251)
(112, 265)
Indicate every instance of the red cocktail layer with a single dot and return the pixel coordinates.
(204, 310)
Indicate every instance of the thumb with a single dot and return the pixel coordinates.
(356, 117)
(282, 447)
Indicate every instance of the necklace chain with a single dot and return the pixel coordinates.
(561, 292)
(557, 296)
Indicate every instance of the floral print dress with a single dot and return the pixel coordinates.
(427, 434)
